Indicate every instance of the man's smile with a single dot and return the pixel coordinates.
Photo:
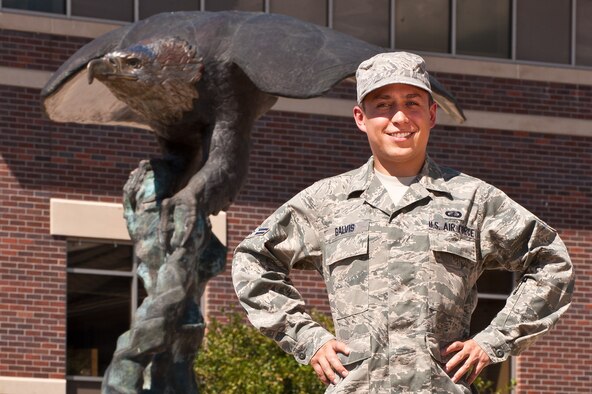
(402, 135)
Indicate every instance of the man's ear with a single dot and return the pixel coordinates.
(360, 118)
(433, 111)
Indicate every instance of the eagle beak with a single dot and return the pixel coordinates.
(99, 67)
(110, 67)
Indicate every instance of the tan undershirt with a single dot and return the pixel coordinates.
(395, 186)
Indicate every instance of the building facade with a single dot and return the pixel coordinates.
(522, 71)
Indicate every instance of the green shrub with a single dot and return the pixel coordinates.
(484, 386)
(236, 358)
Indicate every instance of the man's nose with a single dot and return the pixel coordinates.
(400, 117)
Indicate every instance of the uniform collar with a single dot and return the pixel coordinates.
(361, 179)
(432, 178)
(366, 185)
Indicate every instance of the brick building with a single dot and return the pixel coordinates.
(67, 283)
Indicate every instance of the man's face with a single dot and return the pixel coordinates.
(397, 119)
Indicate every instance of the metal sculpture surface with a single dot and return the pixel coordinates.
(198, 81)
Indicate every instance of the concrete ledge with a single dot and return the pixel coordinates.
(23, 78)
(509, 69)
(514, 122)
(10, 385)
(87, 219)
(100, 220)
(339, 107)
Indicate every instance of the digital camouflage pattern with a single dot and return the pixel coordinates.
(401, 277)
(391, 67)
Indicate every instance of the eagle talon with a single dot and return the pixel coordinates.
(177, 219)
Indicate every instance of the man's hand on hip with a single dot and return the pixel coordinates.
(326, 364)
(469, 357)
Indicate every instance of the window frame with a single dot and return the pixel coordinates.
(200, 6)
(134, 288)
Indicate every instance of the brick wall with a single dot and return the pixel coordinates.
(549, 174)
(36, 51)
(40, 160)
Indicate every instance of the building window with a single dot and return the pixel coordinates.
(53, 6)
(483, 28)
(119, 10)
(524, 30)
(423, 25)
(367, 20)
(153, 7)
(494, 288)
(543, 31)
(103, 294)
(584, 33)
(314, 11)
(239, 5)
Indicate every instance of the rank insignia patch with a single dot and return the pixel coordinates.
(260, 231)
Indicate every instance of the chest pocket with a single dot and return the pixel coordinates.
(346, 272)
(452, 271)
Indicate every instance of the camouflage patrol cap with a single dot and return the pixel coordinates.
(391, 67)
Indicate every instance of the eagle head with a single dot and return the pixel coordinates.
(157, 79)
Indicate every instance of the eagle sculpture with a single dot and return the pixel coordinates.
(199, 81)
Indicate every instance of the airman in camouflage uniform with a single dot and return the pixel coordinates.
(401, 275)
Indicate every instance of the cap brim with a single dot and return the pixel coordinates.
(394, 80)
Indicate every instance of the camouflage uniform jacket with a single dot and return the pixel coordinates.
(401, 277)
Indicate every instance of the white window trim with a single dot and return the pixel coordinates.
(101, 220)
(15, 385)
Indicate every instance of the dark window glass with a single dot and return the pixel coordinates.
(422, 25)
(99, 310)
(83, 387)
(483, 28)
(100, 256)
(496, 282)
(53, 6)
(367, 20)
(584, 33)
(484, 314)
(120, 10)
(240, 5)
(314, 11)
(98, 304)
(543, 30)
(152, 7)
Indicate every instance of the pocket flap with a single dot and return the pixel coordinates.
(451, 243)
(343, 246)
(359, 350)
